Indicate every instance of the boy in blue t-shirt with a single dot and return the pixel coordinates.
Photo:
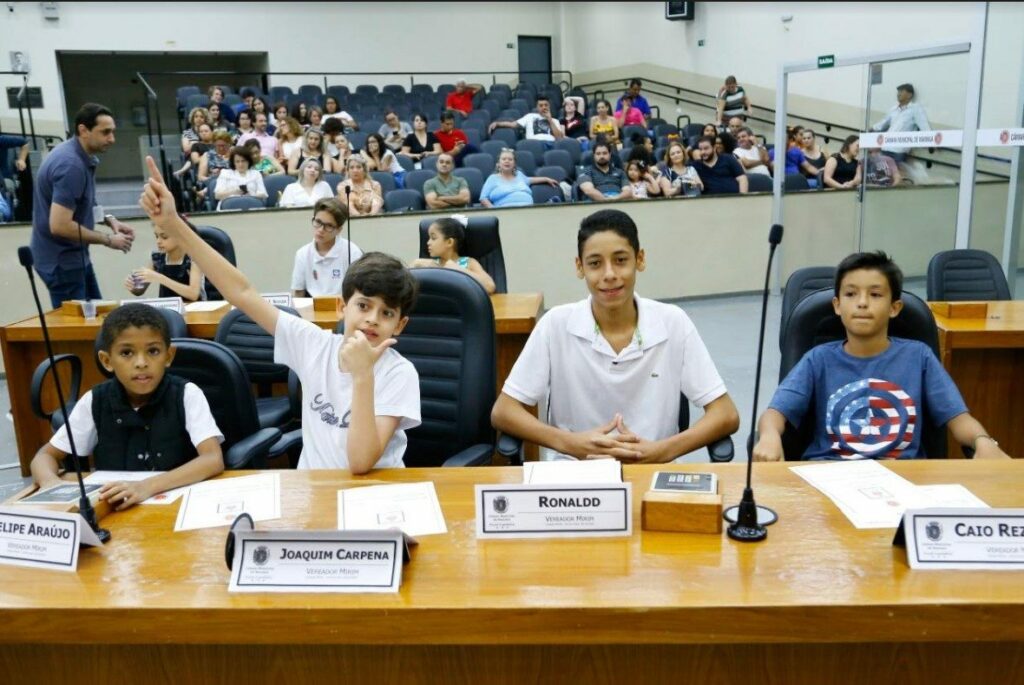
(870, 392)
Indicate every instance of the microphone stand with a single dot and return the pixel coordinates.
(748, 519)
(348, 221)
(85, 507)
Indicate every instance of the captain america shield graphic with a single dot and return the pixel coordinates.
(870, 419)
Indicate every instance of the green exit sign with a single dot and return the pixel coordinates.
(826, 61)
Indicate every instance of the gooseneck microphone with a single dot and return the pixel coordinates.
(85, 507)
(348, 221)
(747, 519)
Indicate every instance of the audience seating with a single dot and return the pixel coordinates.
(799, 285)
(475, 179)
(526, 162)
(759, 183)
(415, 179)
(493, 147)
(959, 275)
(242, 202)
(544, 193)
(221, 242)
(572, 146)
(556, 172)
(386, 180)
(275, 185)
(403, 200)
(560, 158)
(481, 161)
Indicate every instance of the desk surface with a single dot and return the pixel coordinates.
(815, 579)
(1003, 327)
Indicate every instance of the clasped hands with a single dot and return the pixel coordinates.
(625, 445)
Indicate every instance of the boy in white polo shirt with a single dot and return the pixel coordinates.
(612, 366)
(320, 266)
(359, 396)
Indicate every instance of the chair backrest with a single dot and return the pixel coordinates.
(242, 202)
(534, 147)
(422, 89)
(474, 179)
(367, 89)
(386, 180)
(403, 200)
(357, 139)
(960, 275)
(405, 162)
(394, 89)
(555, 172)
(759, 183)
(415, 179)
(275, 185)
(221, 242)
(799, 285)
(572, 146)
(219, 373)
(665, 129)
(493, 147)
(253, 346)
(560, 158)
(520, 105)
(544, 194)
(795, 182)
(279, 93)
(813, 321)
(629, 131)
(333, 180)
(429, 163)
(450, 339)
(481, 161)
(483, 243)
(339, 91)
(507, 135)
(526, 162)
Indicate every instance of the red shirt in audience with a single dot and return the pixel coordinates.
(450, 139)
(461, 101)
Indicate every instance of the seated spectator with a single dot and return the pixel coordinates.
(735, 124)
(725, 143)
(313, 147)
(261, 162)
(199, 148)
(602, 182)
(289, 139)
(453, 140)
(259, 106)
(446, 190)
(421, 142)
(9, 143)
(379, 158)
(316, 117)
(245, 127)
(268, 143)
(842, 170)
(641, 149)
(732, 101)
(882, 169)
(643, 181)
(393, 131)
(636, 99)
(308, 189)
(573, 123)
(813, 153)
(509, 187)
(218, 120)
(677, 176)
(300, 113)
(332, 110)
(198, 115)
(796, 163)
(628, 115)
(320, 266)
(339, 150)
(240, 179)
(366, 197)
(752, 157)
(539, 125)
(216, 94)
(213, 162)
(603, 125)
(719, 174)
(709, 130)
(461, 99)
(279, 115)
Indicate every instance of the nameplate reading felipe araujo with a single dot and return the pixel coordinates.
(554, 511)
(317, 561)
(989, 539)
(42, 539)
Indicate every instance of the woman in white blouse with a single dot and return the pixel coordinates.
(310, 187)
(241, 178)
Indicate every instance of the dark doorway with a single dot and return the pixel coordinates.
(535, 56)
(110, 79)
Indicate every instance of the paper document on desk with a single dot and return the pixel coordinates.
(206, 306)
(411, 507)
(572, 472)
(302, 302)
(951, 495)
(218, 502)
(166, 497)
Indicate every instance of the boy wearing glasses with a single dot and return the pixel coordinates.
(320, 266)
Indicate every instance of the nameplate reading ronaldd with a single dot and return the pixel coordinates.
(554, 511)
(990, 539)
(317, 561)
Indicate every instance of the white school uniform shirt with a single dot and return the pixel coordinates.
(199, 423)
(567, 360)
(322, 275)
(327, 394)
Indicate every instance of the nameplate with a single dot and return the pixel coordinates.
(173, 303)
(42, 539)
(317, 561)
(278, 299)
(1001, 137)
(548, 511)
(873, 139)
(988, 539)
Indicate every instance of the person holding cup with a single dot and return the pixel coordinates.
(241, 178)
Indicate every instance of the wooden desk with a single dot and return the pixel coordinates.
(985, 357)
(817, 602)
(22, 345)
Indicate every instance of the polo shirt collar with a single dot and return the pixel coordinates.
(335, 252)
(91, 160)
(651, 329)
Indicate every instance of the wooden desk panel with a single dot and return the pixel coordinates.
(985, 357)
(22, 346)
(817, 602)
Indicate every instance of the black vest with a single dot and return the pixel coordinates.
(150, 439)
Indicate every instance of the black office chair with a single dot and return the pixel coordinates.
(814, 321)
(799, 285)
(255, 348)
(483, 243)
(221, 242)
(959, 275)
(219, 373)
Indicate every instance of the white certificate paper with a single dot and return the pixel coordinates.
(566, 471)
(216, 503)
(411, 507)
(166, 497)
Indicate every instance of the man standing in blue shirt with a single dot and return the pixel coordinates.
(62, 210)
(904, 116)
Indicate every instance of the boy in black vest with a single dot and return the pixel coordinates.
(142, 419)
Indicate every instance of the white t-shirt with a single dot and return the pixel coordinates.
(752, 154)
(568, 361)
(295, 194)
(290, 146)
(327, 394)
(322, 275)
(199, 423)
(537, 127)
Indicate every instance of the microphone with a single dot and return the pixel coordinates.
(747, 519)
(85, 507)
(348, 221)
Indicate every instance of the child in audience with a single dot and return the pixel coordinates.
(360, 395)
(320, 266)
(143, 419)
(613, 367)
(171, 269)
(445, 240)
(641, 181)
(870, 393)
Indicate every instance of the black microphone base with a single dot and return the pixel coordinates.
(747, 528)
(103, 534)
(765, 516)
(747, 533)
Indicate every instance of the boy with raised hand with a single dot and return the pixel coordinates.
(359, 396)
(143, 419)
(613, 366)
(869, 392)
